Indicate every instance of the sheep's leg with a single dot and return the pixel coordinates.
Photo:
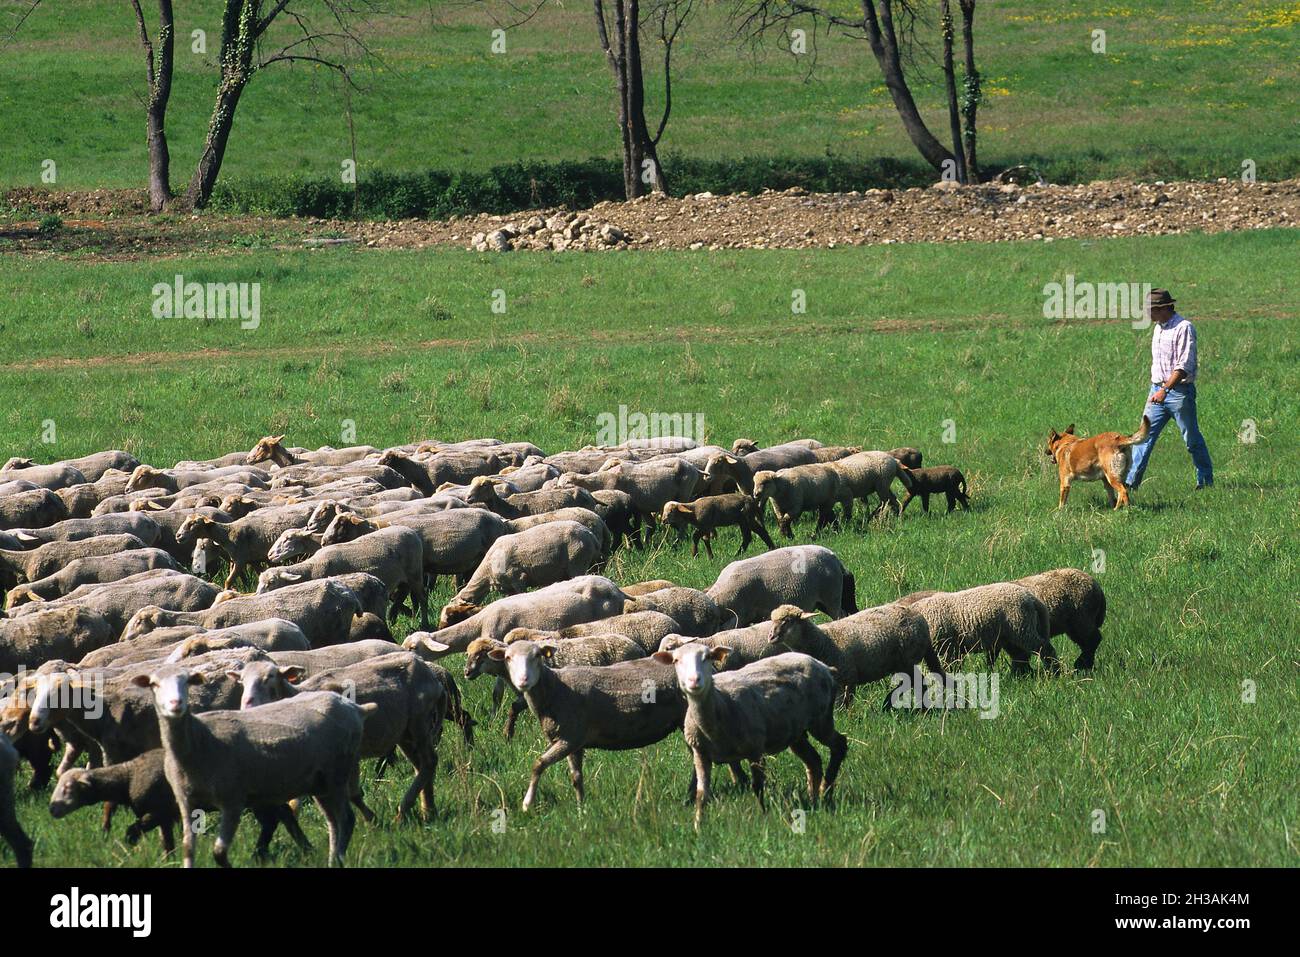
(498, 692)
(71, 755)
(707, 546)
(425, 760)
(745, 537)
(1051, 660)
(226, 833)
(14, 834)
(430, 760)
(758, 778)
(907, 498)
(575, 774)
(357, 798)
(761, 530)
(517, 707)
(187, 831)
(1087, 642)
(285, 816)
(236, 569)
(812, 763)
(838, 745)
(421, 599)
(1019, 660)
(703, 769)
(695, 544)
(557, 750)
(334, 806)
(168, 837)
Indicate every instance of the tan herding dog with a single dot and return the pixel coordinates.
(1105, 456)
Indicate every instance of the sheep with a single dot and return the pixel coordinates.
(935, 480)
(65, 633)
(869, 646)
(335, 479)
(646, 628)
(294, 545)
(614, 708)
(324, 610)
(52, 477)
(572, 602)
(761, 709)
(246, 542)
(227, 760)
(592, 650)
(75, 529)
(367, 626)
(712, 512)
(81, 500)
(776, 457)
(650, 484)
(794, 491)
(428, 473)
(116, 602)
(32, 565)
(37, 508)
(809, 576)
(989, 618)
(270, 634)
(393, 555)
(695, 612)
(833, 453)
(529, 477)
(620, 516)
(646, 587)
(173, 480)
(141, 784)
(270, 448)
(542, 555)
(750, 644)
(483, 491)
(868, 473)
(98, 569)
(1076, 605)
(411, 703)
(585, 517)
(907, 456)
(10, 829)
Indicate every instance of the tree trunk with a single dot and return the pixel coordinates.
(624, 56)
(971, 93)
(159, 78)
(950, 85)
(214, 147)
(884, 46)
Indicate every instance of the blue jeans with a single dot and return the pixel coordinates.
(1180, 405)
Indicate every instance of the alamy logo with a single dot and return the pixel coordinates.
(209, 300)
(975, 690)
(101, 911)
(659, 428)
(1097, 300)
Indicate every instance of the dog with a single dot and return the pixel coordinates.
(1105, 456)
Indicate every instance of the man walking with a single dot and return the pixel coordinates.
(1173, 389)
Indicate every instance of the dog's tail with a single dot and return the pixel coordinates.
(1141, 434)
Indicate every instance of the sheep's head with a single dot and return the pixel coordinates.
(669, 642)
(457, 611)
(765, 483)
(347, 527)
(293, 543)
(144, 476)
(476, 656)
(676, 514)
(73, 791)
(323, 514)
(52, 691)
(524, 661)
(142, 622)
(274, 578)
(526, 634)
(171, 692)
(481, 490)
(787, 625)
(194, 528)
(237, 506)
(695, 665)
(266, 449)
(21, 596)
(225, 595)
(425, 645)
(743, 446)
(391, 457)
(265, 681)
(17, 463)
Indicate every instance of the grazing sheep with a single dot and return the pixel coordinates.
(907, 456)
(80, 500)
(529, 477)
(37, 508)
(872, 473)
(53, 477)
(173, 480)
(989, 618)
(939, 479)
(833, 453)
(646, 587)
(747, 645)
(10, 829)
(584, 517)
(809, 576)
(483, 491)
(393, 555)
(16, 566)
(294, 545)
(270, 634)
(776, 457)
(1076, 605)
(116, 602)
(646, 628)
(590, 650)
(62, 633)
(712, 512)
(762, 709)
(269, 448)
(620, 516)
(410, 698)
(695, 612)
(428, 472)
(804, 488)
(572, 602)
(651, 485)
(228, 760)
(542, 555)
(246, 542)
(75, 529)
(98, 570)
(869, 646)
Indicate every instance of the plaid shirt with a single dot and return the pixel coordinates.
(1173, 346)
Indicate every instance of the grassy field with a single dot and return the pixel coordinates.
(897, 342)
(1185, 88)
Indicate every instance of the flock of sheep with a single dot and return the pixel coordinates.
(185, 698)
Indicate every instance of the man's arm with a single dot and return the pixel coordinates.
(1185, 358)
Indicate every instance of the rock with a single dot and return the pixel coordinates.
(611, 234)
(499, 241)
(947, 184)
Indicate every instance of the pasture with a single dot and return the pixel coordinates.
(900, 345)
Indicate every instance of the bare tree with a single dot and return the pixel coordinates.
(971, 92)
(158, 76)
(950, 88)
(887, 26)
(244, 25)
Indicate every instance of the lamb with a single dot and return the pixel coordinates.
(774, 458)
(614, 708)
(32, 565)
(989, 618)
(747, 645)
(695, 612)
(36, 508)
(270, 448)
(935, 480)
(324, 610)
(411, 703)
(833, 453)
(483, 491)
(529, 477)
(809, 576)
(869, 646)
(868, 473)
(10, 829)
(271, 634)
(542, 555)
(53, 477)
(228, 760)
(294, 545)
(75, 529)
(907, 456)
(572, 602)
(98, 569)
(393, 555)
(591, 650)
(803, 488)
(761, 709)
(1076, 605)
(64, 633)
(712, 512)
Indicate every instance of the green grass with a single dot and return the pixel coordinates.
(1186, 88)
(1201, 586)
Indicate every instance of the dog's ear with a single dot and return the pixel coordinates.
(1070, 429)
(1052, 436)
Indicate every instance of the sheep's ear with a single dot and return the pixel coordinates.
(682, 507)
(196, 678)
(663, 657)
(808, 614)
(434, 644)
(497, 654)
(293, 674)
(1070, 429)
(142, 681)
(546, 649)
(234, 675)
(26, 537)
(291, 576)
(718, 654)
